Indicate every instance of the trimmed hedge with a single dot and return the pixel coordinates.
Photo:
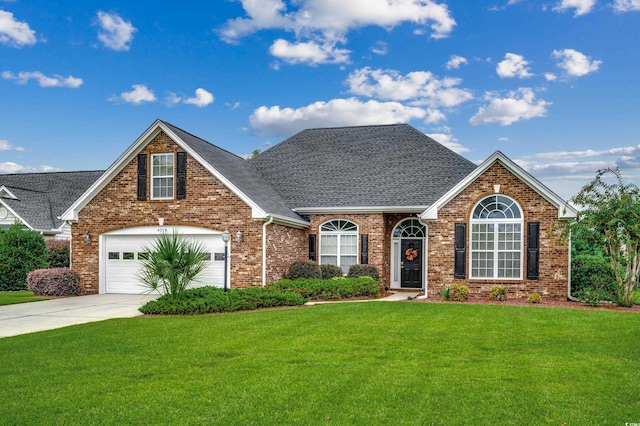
(589, 272)
(304, 269)
(54, 282)
(330, 271)
(336, 288)
(206, 300)
(21, 251)
(363, 271)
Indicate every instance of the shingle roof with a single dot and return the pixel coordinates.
(240, 173)
(387, 165)
(42, 197)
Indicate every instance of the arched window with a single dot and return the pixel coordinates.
(496, 238)
(339, 244)
(410, 228)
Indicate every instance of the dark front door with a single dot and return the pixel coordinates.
(411, 263)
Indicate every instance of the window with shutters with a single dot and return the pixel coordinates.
(162, 176)
(339, 244)
(496, 238)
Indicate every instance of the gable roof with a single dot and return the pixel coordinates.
(233, 171)
(37, 199)
(565, 210)
(365, 168)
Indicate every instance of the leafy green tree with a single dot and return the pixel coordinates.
(171, 264)
(610, 218)
(21, 251)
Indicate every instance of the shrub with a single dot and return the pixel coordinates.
(304, 269)
(498, 292)
(459, 292)
(54, 282)
(329, 289)
(595, 296)
(206, 300)
(58, 253)
(363, 271)
(330, 271)
(534, 298)
(446, 292)
(21, 251)
(590, 272)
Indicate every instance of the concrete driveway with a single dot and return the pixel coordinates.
(29, 317)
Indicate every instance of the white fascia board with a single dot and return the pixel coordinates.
(4, 190)
(71, 214)
(294, 223)
(17, 216)
(565, 210)
(361, 209)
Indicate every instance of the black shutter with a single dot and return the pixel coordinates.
(142, 177)
(364, 249)
(181, 176)
(312, 247)
(460, 251)
(533, 250)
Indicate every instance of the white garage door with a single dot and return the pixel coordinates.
(122, 251)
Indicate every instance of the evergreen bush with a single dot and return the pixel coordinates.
(21, 251)
(364, 271)
(304, 269)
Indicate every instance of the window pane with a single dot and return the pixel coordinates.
(329, 260)
(328, 244)
(346, 262)
(348, 244)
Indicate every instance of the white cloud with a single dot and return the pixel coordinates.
(581, 7)
(448, 140)
(380, 48)
(421, 87)
(574, 63)
(10, 167)
(513, 65)
(337, 17)
(43, 80)
(310, 52)
(519, 105)
(626, 5)
(15, 33)
(6, 146)
(549, 76)
(284, 122)
(116, 33)
(587, 153)
(455, 61)
(201, 99)
(138, 95)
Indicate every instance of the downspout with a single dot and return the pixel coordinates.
(264, 250)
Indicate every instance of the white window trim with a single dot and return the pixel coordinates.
(172, 176)
(496, 222)
(339, 234)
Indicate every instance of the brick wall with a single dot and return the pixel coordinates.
(285, 245)
(554, 256)
(209, 204)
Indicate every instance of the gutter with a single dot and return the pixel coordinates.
(264, 250)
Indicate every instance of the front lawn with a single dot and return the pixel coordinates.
(12, 297)
(372, 363)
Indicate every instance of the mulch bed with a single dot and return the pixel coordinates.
(544, 303)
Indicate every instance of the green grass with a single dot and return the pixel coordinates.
(13, 297)
(375, 363)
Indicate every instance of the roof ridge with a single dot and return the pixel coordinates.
(356, 126)
(50, 172)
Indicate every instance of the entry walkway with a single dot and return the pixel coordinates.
(30, 317)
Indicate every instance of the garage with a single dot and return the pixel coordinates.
(121, 254)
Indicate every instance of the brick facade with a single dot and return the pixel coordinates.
(208, 204)
(554, 255)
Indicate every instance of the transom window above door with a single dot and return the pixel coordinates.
(409, 228)
(339, 244)
(162, 166)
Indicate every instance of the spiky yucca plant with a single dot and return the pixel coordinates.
(171, 264)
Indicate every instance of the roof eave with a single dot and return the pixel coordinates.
(359, 209)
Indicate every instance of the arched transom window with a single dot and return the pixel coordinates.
(339, 244)
(410, 228)
(496, 238)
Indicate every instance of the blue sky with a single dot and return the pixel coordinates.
(554, 85)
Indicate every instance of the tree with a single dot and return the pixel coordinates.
(255, 153)
(171, 264)
(610, 218)
(21, 251)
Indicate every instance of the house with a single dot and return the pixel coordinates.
(383, 195)
(36, 200)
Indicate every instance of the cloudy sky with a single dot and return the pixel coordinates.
(554, 85)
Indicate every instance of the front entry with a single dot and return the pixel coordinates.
(411, 263)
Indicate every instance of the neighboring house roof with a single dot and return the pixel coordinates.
(37, 199)
(565, 210)
(385, 167)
